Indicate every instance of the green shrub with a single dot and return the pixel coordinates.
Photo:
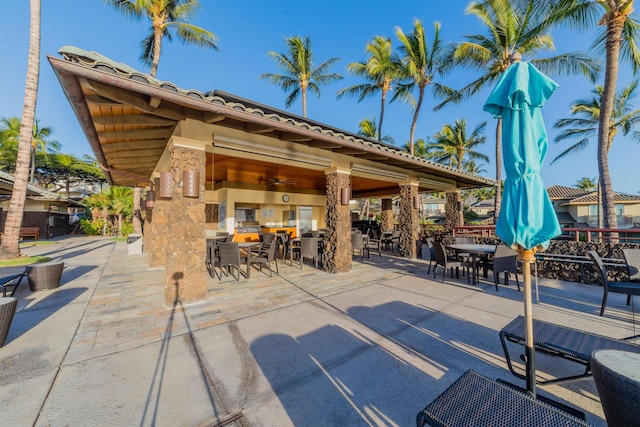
(92, 227)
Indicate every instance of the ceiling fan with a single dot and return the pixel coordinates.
(281, 181)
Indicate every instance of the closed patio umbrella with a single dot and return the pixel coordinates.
(527, 220)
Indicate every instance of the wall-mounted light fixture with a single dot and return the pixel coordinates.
(151, 199)
(191, 183)
(416, 202)
(345, 196)
(166, 185)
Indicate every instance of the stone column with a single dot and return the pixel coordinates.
(452, 213)
(408, 220)
(157, 230)
(185, 250)
(386, 216)
(337, 251)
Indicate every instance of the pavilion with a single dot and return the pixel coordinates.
(210, 158)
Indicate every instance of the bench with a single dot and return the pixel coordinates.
(476, 400)
(560, 341)
(30, 232)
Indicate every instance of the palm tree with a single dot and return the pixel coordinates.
(472, 167)
(299, 74)
(587, 184)
(381, 70)
(9, 138)
(11, 236)
(512, 27)
(164, 16)
(586, 122)
(618, 40)
(419, 147)
(101, 202)
(421, 64)
(452, 145)
(39, 142)
(367, 127)
(121, 204)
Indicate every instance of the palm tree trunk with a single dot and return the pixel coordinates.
(137, 217)
(10, 240)
(157, 48)
(384, 99)
(414, 122)
(498, 198)
(304, 101)
(614, 31)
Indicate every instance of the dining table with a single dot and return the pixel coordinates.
(475, 251)
(248, 247)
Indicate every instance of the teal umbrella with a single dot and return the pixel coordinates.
(527, 220)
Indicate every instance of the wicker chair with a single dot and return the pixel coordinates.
(266, 256)
(505, 260)
(447, 262)
(229, 259)
(44, 276)
(7, 310)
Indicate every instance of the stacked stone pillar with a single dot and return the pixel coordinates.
(178, 223)
(408, 221)
(453, 218)
(386, 216)
(337, 250)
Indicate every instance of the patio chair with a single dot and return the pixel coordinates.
(229, 259)
(505, 260)
(395, 240)
(628, 288)
(213, 257)
(560, 341)
(447, 262)
(308, 248)
(476, 400)
(371, 243)
(266, 256)
(357, 243)
(632, 259)
(229, 238)
(432, 253)
(12, 282)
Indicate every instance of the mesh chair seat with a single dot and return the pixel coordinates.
(570, 344)
(475, 400)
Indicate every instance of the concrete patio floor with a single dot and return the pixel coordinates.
(370, 347)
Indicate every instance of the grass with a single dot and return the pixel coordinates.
(25, 260)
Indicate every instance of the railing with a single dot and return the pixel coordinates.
(621, 235)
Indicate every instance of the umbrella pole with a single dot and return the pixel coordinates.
(527, 257)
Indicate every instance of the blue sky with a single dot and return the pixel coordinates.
(247, 30)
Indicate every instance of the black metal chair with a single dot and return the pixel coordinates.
(432, 253)
(12, 282)
(447, 262)
(373, 243)
(628, 288)
(505, 260)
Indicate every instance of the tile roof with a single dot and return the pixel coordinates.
(561, 192)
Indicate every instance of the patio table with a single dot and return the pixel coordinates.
(475, 250)
(248, 246)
